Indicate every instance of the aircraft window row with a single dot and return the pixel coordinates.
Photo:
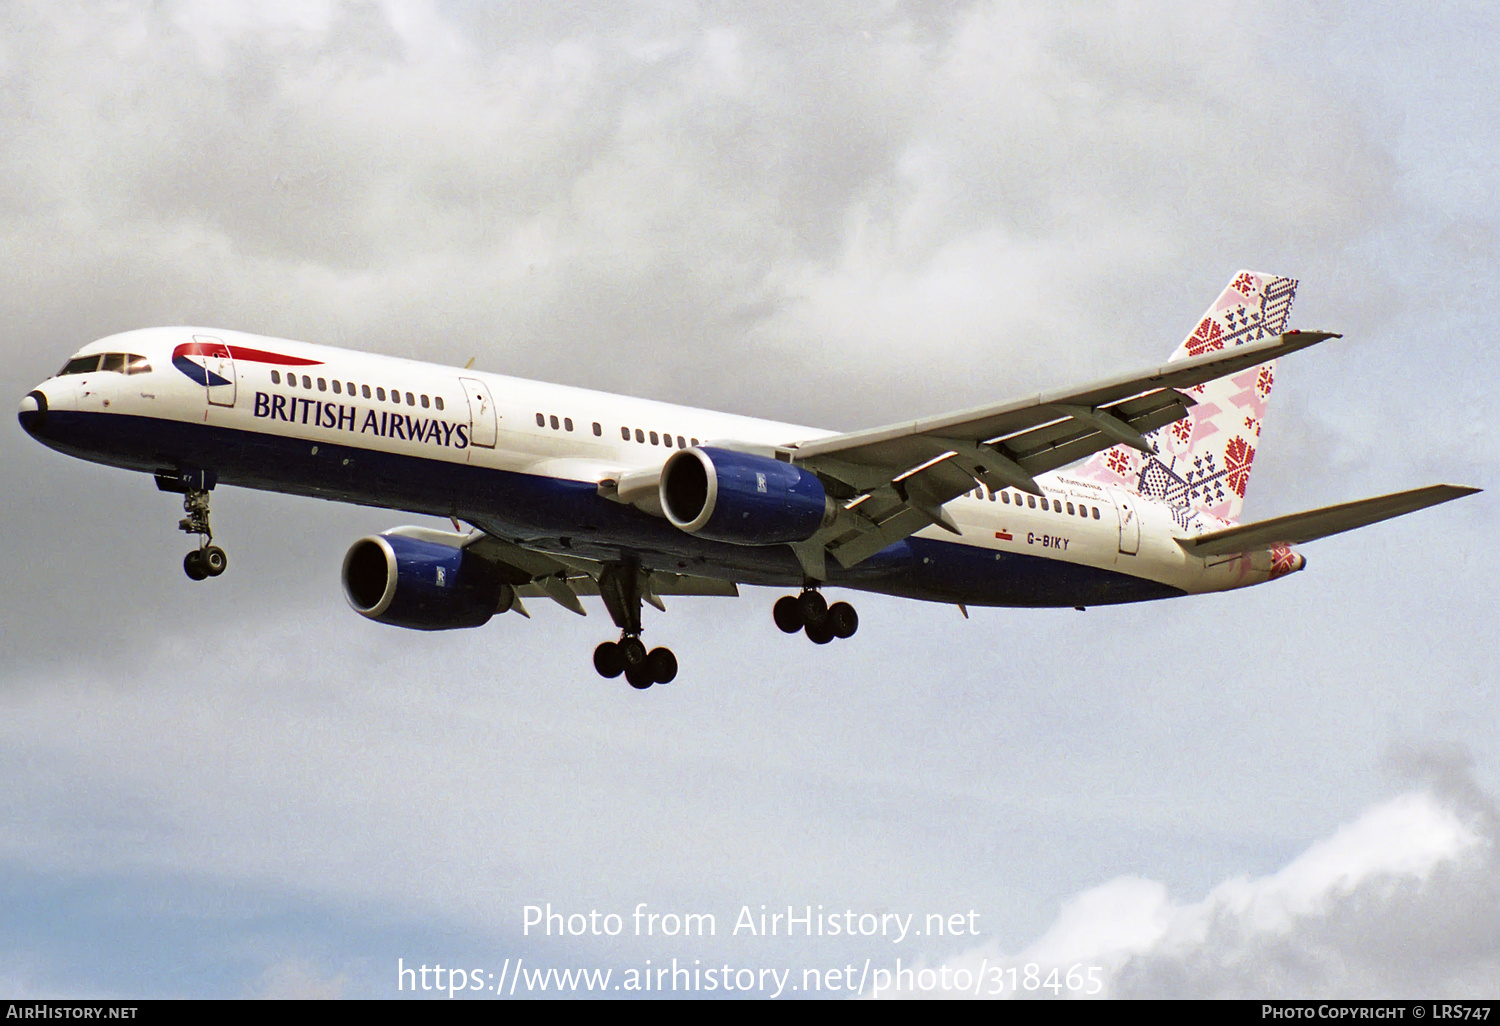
(120, 363)
(566, 424)
(343, 388)
(665, 438)
(1056, 505)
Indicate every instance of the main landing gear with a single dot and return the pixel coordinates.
(206, 560)
(621, 586)
(810, 612)
(629, 656)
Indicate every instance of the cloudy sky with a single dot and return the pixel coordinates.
(830, 214)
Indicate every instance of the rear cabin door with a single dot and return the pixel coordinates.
(482, 425)
(1130, 521)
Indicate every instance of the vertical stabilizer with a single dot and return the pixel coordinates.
(1203, 461)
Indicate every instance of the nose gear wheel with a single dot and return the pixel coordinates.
(207, 560)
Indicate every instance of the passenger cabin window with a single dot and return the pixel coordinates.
(424, 402)
(640, 436)
(337, 388)
(380, 393)
(597, 429)
(322, 384)
(410, 401)
(553, 418)
(1031, 501)
(276, 377)
(364, 390)
(541, 421)
(1096, 512)
(567, 423)
(625, 433)
(350, 386)
(439, 400)
(306, 381)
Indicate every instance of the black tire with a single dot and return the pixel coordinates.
(215, 561)
(633, 652)
(639, 676)
(609, 660)
(843, 619)
(193, 565)
(662, 664)
(820, 633)
(787, 613)
(814, 607)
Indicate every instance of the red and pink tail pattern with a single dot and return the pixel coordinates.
(1202, 466)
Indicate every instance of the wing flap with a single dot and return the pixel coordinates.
(1320, 523)
(661, 583)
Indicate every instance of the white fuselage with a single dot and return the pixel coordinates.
(524, 460)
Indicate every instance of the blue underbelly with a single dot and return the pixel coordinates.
(559, 514)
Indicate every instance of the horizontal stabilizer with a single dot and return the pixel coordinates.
(1320, 523)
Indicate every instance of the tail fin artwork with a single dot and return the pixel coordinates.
(1202, 464)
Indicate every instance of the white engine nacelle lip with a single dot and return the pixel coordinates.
(671, 485)
(359, 551)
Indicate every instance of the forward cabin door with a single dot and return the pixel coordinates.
(482, 425)
(1130, 521)
(218, 366)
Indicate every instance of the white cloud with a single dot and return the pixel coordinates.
(1398, 903)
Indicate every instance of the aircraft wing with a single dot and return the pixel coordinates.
(1320, 523)
(895, 479)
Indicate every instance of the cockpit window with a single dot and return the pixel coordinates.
(80, 365)
(120, 363)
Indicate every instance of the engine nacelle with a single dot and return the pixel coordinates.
(742, 499)
(422, 584)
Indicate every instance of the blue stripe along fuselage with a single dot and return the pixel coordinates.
(565, 515)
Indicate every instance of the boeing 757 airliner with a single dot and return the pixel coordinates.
(1122, 490)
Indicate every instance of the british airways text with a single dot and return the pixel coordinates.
(297, 410)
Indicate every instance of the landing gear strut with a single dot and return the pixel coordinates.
(620, 586)
(207, 560)
(810, 612)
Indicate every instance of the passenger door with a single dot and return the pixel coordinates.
(218, 362)
(482, 425)
(1130, 521)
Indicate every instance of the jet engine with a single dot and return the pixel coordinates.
(742, 498)
(422, 583)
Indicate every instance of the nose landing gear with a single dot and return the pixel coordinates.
(207, 560)
(810, 612)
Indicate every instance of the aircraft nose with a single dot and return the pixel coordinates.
(33, 412)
